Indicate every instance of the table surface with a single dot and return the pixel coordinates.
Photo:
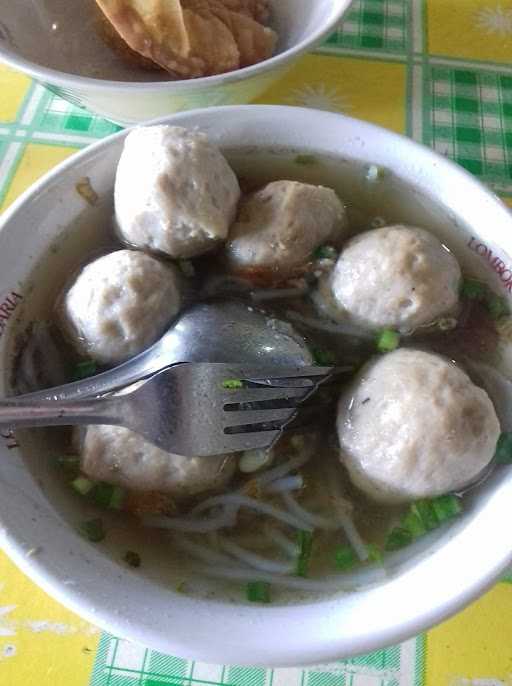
(439, 71)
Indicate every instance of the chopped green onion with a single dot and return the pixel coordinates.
(92, 530)
(84, 370)
(132, 558)
(69, 463)
(425, 512)
(305, 160)
(323, 358)
(232, 384)
(305, 542)
(503, 454)
(108, 495)
(325, 252)
(398, 538)
(258, 592)
(446, 507)
(82, 485)
(473, 289)
(374, 553)
(497, 306)
(344, 556)
(414, 524)
(388, 340)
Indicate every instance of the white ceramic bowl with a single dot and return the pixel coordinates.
(28, 43)
(447, 571)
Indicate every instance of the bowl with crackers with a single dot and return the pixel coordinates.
(133, 60)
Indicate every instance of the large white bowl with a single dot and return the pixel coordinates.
(27, 43)
(454, 566)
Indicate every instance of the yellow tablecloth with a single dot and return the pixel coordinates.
(438, 71)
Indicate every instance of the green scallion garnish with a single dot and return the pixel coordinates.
(232, 384)
(503, 454)
(325, 252)
(398, 538)
(344, 557)
(497, 306)
(305, 160)
(84, 369)
(108, 495)
(258, 592)
(446, 507)
(388, 340)
(69, 463)
(92, 530)
(425, 512)
(305, 545)
(82, 485)
(414, 524)
(374, 553)
(132, 558)
(323, 358)
(472, 289)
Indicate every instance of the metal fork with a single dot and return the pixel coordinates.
(197, 409)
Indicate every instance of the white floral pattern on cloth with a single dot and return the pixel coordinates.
(495, 20)
(319, 96)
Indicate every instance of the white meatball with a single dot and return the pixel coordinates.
(397, 277)
(174, 192)
(414, 425)
(120, 456)
(279, 226)
(120, 304)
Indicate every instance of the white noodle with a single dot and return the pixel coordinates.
(200, 526)
(252, 504)
(200, 552)
(281, 470)
(288, 483)
(277, 537)
(327, 325)
(314, 521)
(360, 547)
(340, 582)
(258, 562)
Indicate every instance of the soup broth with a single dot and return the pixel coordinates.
(41, 357)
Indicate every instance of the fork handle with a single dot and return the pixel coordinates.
(57, 413)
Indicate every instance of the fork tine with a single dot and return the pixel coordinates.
(235, 419)
(250, 440)
(264, 393)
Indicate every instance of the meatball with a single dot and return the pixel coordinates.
(398, 277)
(279, 227)
(119, 304)
(122, 457)
(414, 425)
(174, 192)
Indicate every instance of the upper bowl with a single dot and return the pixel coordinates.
(58, 46)
(433, 579)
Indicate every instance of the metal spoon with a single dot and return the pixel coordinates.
(223, 331)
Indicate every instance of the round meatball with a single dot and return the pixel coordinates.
(413, 425)
(122, 457)
(279, 227)
(398, 277)
(174, 192)
(120, 304)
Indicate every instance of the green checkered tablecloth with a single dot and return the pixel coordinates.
(438, 71)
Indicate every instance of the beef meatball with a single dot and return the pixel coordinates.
(120, 304)
(122, 457)
(279, 227)
(398, 277)
(413, 425)
(174, 192)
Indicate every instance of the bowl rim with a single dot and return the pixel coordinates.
(494, 556)
(65, 80)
